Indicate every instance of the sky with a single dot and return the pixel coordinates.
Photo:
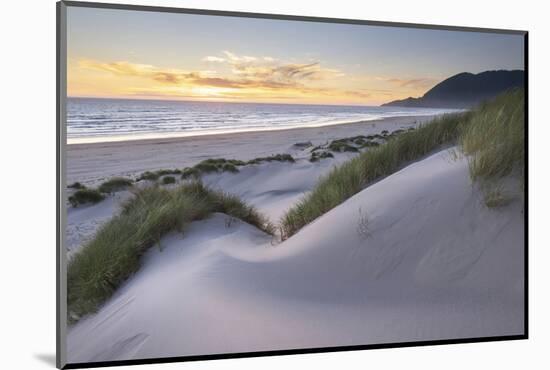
(150, 55)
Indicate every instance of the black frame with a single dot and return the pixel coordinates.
(60, 196)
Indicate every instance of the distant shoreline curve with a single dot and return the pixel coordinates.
(73, 142)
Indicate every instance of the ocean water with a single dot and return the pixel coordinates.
(100, 120)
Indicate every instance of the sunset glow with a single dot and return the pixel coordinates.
(220, 59)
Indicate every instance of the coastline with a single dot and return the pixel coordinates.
(214, 132)
(91, 162)
(422, 240)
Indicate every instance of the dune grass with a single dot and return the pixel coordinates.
(228, 165)
(148, 175)
(211, 165)
(495, 196)
(492, 136)
(342, 146)
(218, 165)
(76, 185)
(190, 173)
(115, 184)
(354, 144)
(351, 177)
(168, 180)
(85, 195)
(164, 172)
(272, 158)
(494, 141)
(154, 175)
(317, 156)
(99, 268)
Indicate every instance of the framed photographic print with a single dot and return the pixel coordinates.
(237, 184)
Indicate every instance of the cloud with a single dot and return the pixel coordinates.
(247, 71)
(163, 76)
(311, 71)
(213, 59)
(247, 76)
(124, 68)
(414, 83)
(115, 67)
(256, 68)
(239, 59)
(358, 94)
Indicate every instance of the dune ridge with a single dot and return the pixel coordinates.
(227, 289)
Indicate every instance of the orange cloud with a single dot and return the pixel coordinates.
(413, 83)
(248, 72)
(232, 77)
(257, 68)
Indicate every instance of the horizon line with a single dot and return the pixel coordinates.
(220, 101)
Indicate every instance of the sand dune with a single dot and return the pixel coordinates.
(275, 187)
(271, 187)
(416, 256)
(83, 222)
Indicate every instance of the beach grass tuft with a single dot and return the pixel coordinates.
(155, 175)
(148, 175)
(84, 196)
(317, 156)
(272, 158)
(113, 255)
(164, 172)
(115, 184)
(212, 165)
(370, 144)
(76, 185)
(354, 144)
(496, 197)
(495, 143)
(229, 167)
(342, 146)
(190, 173)
(168, 180)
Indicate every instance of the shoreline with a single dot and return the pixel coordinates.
(91, 162)
(199, 134)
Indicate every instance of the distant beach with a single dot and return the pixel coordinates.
(106, 120)
(415, 252)
(92, 162)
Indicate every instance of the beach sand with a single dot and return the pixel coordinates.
(433, 264)
(89, 163)
(414, 256)
(271, 187)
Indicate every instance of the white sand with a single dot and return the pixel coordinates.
(272, 187)
(428, 262)
(83, 222)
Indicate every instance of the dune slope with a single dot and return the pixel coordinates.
(274, 187)
(270, 187)
(416, 256)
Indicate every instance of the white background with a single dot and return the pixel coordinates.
(27, 132)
